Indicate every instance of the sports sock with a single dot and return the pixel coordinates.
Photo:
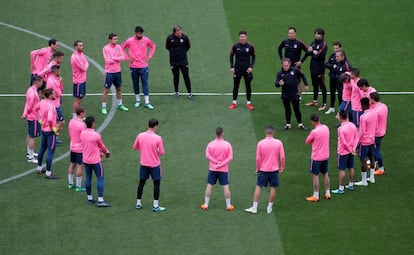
(70, 178)
(78, 181)
(249, 102)
(228, 203)
(364, 176)
(155, 204)
(48, 173)
(206, 200)
(328, 192)
(146, 98)
(234, 101)
(270, 205)
(137, 98)
(351, 184)
(119, 101)
(103, 105)
(28, 150)
(255, 204)
(138, 201)
(341, 187)
(100, 199)
(90, 197)
(371, 172)
(316, 194)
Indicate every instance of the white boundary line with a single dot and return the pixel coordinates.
(104, 124)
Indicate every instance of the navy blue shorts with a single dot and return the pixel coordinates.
(76, 157)
(345, 161)
(33, 129)
(365, 151)
(113, 78)
(59, 114)
(317, 167)
(146, 171)
(268, 178)
(79, 90)
(222, 177)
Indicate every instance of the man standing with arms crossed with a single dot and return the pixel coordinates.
(151, 146)
(242, 66)
(382, 114)
(219, 153)
(178, 44)
(113, 56)
(40, 57)
(79, 69)
(139, 58)
(270, 160)
(319, 138)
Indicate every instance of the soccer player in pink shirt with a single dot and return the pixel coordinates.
(367, 127)
(219, 153)
(80, 66)
(270, 160)
(57, 60)
(75, 127)
(48, 116)
(113, 56)
(319, 138)
(55, 82)
(139, 58)
(345, 105)
(40, 57)
(31, 114)
(151, 147)
(93, 150)
(382, 113)
(347, 144)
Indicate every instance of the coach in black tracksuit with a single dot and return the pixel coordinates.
(178, 44)
(288, 78)
(293, 48)
(317, 50)
(337, 64)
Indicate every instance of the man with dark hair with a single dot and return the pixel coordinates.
(151, 146)
(80, 67)
(382, 113)
(288, 78)
(93, 150)
(242, 60)
(40, 57)
(219, 153)
(178, 44)
(57, 60)
(317, 50)
(319, 138)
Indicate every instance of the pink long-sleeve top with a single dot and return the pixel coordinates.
(39, 59)
(45, 72)
(54, 82)
(92, 145)
(76, 126)
(347, 138)
(113, 56)
(367, 127)
(48, 114)
(31, 107)
(319, 138)
(219, 153)
(137, 50)
(151, 148)
(269, 153)
(347, 91)
(382, 115)
(80, 66)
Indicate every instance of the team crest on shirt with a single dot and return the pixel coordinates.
(142, 44)
(181, 40)
(247, 49)
(295, 46)
(292, 73)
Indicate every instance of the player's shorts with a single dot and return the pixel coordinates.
(146, 171)
(222, 177)
(59, 114)
(113, 78)
(76, 157)
(79, 90)
(317, 167)
(268, 178)
(345, 161)
(365, 151)
(34, 128)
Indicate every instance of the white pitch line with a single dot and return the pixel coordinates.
(104, 124)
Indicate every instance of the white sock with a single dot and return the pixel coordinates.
(249, 102)
(234, 101)
(27, 147)
(381, 168)
(100, 199)
(137, 98)
(270, 205)
(146, 98)
(206, 200)
(48, 173)
(119, 101)
(79, 181)
(39, 168)
(255, 204)
(70, 178)
(371, 173)
(155, 204)
(364, 176)
(351, 184)
(90, 197)
(316, 194)
(31, 153)
(228, 203)
(104, 105)
(328, 192)
(342, 187)
(138, 201)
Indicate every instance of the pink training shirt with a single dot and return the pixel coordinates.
(219, 152)
(76, 126)
(367, 127)
(79, 67)
(31, 107)
(45, 73)
(269, 152)
(54, 82)
(347, 138)
(151, 146)
(92, 145)
(48, 114)
(319, 138)
(39, 59)
(113, 56)
(382, 115)
(137, 50)
(347, 91)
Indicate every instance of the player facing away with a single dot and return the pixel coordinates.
(80, 67)
(347, 144)
(151, 147)
(113, 56)
(219, 153)
(382, 114)
(270, 160)
(31, 114)
(319, 138)
(93, 150)
(242, 60)
(76, 126)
